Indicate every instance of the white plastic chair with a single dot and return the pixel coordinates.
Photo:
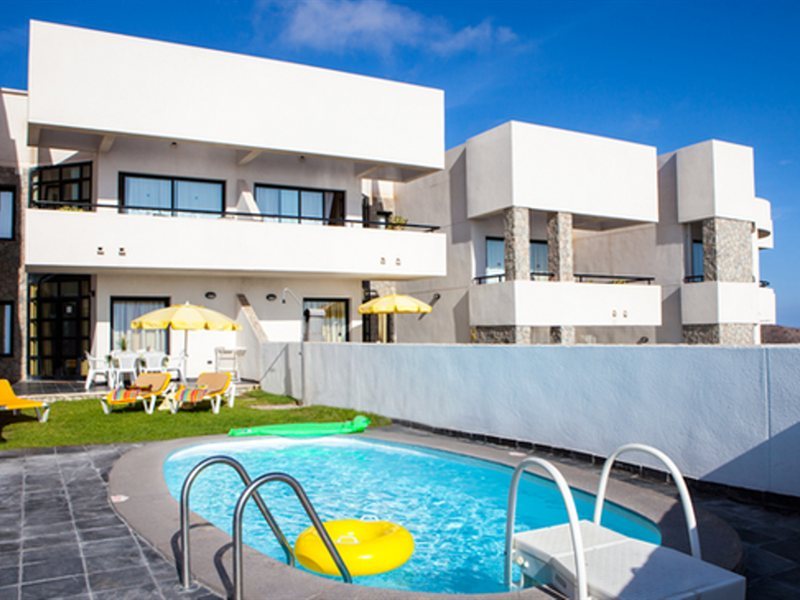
(152, 362)
(177, 363)
(227, 359)
(98, 367)
(124, 363)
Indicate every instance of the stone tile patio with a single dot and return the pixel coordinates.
(60, 538)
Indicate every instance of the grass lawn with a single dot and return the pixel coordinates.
(80, 422)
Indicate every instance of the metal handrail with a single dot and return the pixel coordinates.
(572, 515)
(582, 277)
(186, 575)
(252, 489)
(481, 279)
(579, 277)
(170, 211)
(683, 491)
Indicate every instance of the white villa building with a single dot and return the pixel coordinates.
(136, 174)
(558, 236)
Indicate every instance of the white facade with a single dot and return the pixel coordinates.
(223, 180)
(548, 169)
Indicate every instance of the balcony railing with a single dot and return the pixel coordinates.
(613, 279)
(579, 277)
(498, 277)
(244, 215)
(698, 278)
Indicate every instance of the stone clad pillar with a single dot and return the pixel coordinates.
(560, 262)
(517, 235)
(727, 257)
(727, 250)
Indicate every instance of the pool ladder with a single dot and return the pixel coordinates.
(580, 583)
(251, 490)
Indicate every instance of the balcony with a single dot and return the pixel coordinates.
(707, 302)
(233, 243)
(763, 220)
(766, 305)
(540, 303)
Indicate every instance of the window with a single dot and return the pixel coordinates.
(496, 262)
(7, 213)
(335, 327)
(539, 261)
(153, 195)
(296, 205)
(695, 251)
(125, 310)
(62, 185)
(6, 328)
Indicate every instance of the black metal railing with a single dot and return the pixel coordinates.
(498, 277)
(242, 215)
(579, 277)
(614, 279)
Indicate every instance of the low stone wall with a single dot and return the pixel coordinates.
(725, 415)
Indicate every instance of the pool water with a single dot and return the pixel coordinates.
(453, 505)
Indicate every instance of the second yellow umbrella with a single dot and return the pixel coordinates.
(394, 304)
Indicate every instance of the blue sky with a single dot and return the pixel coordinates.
(667, 74)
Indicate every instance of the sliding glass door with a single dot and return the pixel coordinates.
(335, 327)
(125, 310)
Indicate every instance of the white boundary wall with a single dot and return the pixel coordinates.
(726, 415)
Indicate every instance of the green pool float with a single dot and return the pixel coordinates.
(356, 425)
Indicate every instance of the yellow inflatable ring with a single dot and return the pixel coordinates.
(366, 547)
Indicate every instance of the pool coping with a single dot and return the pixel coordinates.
(151, 511)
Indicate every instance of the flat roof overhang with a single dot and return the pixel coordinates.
(129, 86)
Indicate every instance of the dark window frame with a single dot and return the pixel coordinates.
(494, 238)
(173, 179)
(13, 190)
(40, 338)
(346, 309)
(300, 189)
(36, 184)
(10, 332)
(167, 302)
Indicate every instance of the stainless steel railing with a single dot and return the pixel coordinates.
(252, 490)
(186, 575)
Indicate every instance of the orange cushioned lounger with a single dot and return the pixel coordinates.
(147, 388)
(10, 401)
(209, 386)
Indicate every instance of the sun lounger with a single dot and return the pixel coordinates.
(10, 401)
(146, 389)
(210, 386)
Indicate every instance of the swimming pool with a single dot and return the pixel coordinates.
(453, 505)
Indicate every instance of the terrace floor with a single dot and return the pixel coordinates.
(60, 537)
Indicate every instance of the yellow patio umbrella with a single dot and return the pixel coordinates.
(394, 304)
(185, 317)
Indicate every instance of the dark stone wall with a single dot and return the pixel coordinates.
(12, 278)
